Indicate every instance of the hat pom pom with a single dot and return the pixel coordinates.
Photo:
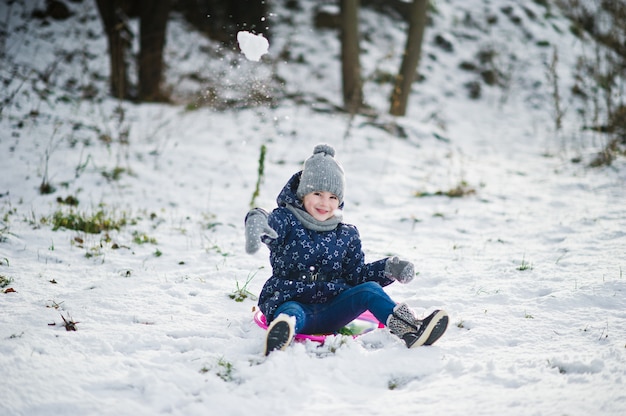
(324, 148)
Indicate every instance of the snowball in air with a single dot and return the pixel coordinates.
(253, 46)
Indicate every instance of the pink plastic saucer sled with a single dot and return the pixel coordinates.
(366, 322)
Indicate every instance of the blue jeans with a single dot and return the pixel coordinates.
(335, 314)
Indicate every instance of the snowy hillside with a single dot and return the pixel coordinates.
(529, 262)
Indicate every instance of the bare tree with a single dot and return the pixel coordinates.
(350, 64)
(410, 60)
(153, 20)
(119, 36)
(153, 23)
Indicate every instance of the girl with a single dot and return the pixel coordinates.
(320, 281)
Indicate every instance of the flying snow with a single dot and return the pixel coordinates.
(253, 46)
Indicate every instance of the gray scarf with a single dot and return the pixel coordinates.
(311, 223)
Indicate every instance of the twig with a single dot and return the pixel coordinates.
(69, 324)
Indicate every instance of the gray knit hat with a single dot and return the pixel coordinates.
(322, 173)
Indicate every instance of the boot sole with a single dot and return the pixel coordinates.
(279, 335)
(440, 327)
(433, 331)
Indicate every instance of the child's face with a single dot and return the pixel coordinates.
(321, 205)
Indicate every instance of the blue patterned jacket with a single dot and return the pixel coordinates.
(335, 254)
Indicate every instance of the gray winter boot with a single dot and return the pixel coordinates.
(415, 332)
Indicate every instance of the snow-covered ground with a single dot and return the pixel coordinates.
(530, 266)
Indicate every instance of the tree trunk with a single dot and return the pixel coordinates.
(152, 29)
(350, 64)
(410, 60)
(118, 36)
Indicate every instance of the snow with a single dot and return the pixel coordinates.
(252, 46)
(530, 267)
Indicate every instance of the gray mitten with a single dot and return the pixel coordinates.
(400, 270)
(257, 227)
